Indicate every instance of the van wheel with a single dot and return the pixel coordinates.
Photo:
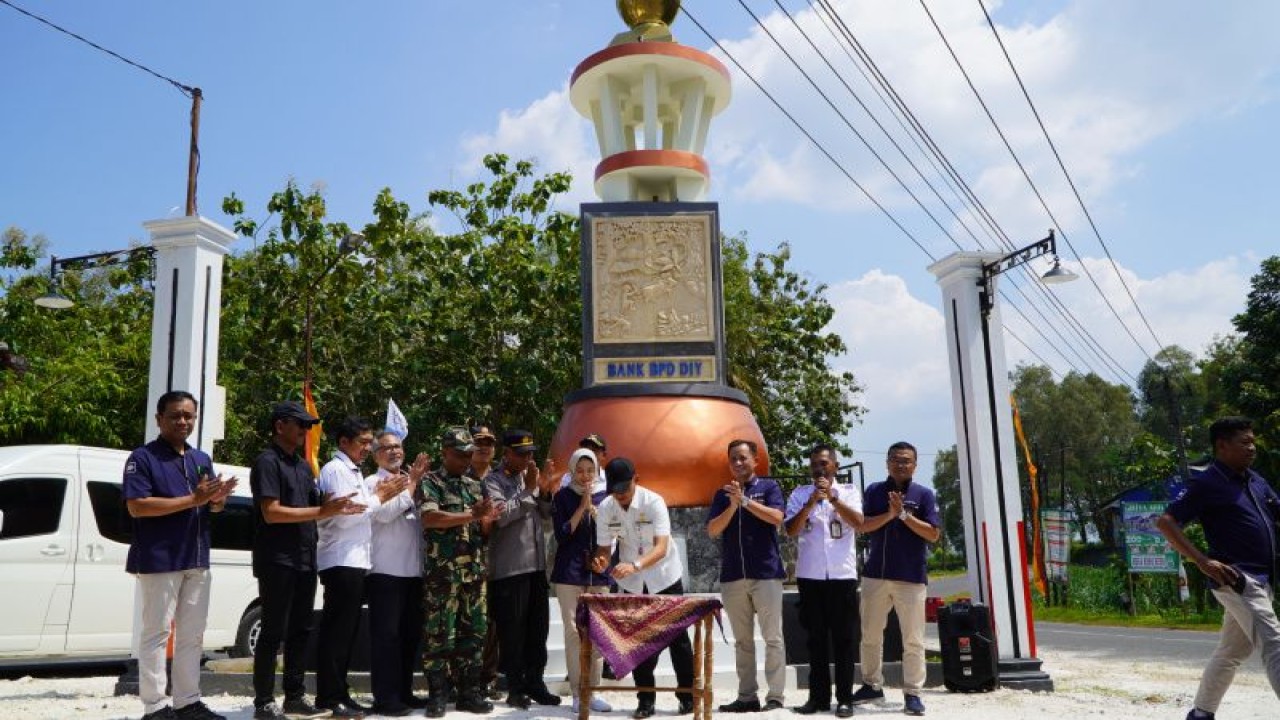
(248, 632)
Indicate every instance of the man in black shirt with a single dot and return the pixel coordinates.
(284, 559)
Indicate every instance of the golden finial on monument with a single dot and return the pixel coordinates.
(649, 20)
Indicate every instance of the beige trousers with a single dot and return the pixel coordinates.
(181, 598)
(1248, 622)
(744, 601)
(878, 597)
(567, 595)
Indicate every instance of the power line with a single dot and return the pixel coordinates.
(184, 89)
(1035, 189)
(1070, 181)
(866, 193)
(956, 180)
(879, 125)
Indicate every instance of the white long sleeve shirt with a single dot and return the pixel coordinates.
(397, 533)
(636, 529)
(345, 540)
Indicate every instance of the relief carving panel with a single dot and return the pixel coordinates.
(651, 279)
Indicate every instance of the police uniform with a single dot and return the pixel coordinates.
(453, 574)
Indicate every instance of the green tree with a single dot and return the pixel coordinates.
(1253, 382)
(86, 381)
(1084, 420)
(1172, 397)
(946, 485)
(779, 354)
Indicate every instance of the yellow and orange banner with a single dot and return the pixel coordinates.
(1037, 544)
(312, 447)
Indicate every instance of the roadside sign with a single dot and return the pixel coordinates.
(1145, 548)
(1056, 528)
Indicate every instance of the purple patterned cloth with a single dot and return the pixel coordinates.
(629, 629)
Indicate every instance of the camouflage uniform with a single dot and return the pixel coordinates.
(453, 582)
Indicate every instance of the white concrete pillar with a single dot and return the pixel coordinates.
(186, 320)
(997, 558)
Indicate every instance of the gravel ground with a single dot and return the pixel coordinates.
(1085, 687)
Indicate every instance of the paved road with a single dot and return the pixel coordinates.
(1183, 647)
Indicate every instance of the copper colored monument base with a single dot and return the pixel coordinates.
(679, 444)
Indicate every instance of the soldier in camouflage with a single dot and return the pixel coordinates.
(454, 515)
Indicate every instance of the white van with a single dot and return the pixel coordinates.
(64, 537)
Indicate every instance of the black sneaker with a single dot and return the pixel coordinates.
(341, 709)
(300, 709)
(642, 712)
(270, 711)
(811, 707)
(519, 700)
(741, 706)
(685, 708)
(844, 710)
(164, 713)
(867, 694)
(772, 704)
(197, 711)
(1197, 714)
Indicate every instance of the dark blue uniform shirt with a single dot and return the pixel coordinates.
(177, 541)
(1238, 515)
(749, 545)
(574, 548)
(895, 552)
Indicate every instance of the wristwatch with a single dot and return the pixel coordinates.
(745, 501)
(904, 515)
(637, 565)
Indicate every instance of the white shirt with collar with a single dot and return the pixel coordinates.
(819, 555)
(636, 530)
(397, 532)
(344, 540)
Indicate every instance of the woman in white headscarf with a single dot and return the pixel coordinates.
(573, 512)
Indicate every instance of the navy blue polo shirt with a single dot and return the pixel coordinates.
(1238, 516)
(286, 477)
(749, 545)
(177, 541)
(894, 551)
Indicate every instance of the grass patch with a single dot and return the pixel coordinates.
(1083, 616)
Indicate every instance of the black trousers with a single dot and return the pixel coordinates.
(519, 606)
(681, 660)
(343, 596)
(287, 596)
(829, 615)
(395, 629)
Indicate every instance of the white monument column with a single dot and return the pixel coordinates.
(186, 319)
(992, 503)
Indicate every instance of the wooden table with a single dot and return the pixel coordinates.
(703, 652)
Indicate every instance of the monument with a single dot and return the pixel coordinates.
(654, 373)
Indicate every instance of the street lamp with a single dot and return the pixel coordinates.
(1055, 276)
(55, 300)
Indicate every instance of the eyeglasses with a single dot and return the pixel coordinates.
(174, 417)
(390, 447)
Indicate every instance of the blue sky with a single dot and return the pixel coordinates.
(1164, 113)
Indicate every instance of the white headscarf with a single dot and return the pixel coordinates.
(598, 485)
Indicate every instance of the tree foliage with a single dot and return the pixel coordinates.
(88, 364)
(780, 352)
(946, 485)
(1084, 421)
(1172, 399)
(482, 323)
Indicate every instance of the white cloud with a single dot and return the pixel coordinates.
(550, 132)
(898, 350)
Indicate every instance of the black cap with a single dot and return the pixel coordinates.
(291, 410)
(618, 474)
(592, 440)
(519, 440)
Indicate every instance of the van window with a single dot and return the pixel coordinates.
(32, 506)
(110, 512)
(232, 528)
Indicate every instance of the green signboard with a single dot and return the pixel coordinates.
(1145, 548)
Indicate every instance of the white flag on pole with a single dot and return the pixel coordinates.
(396, 421)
